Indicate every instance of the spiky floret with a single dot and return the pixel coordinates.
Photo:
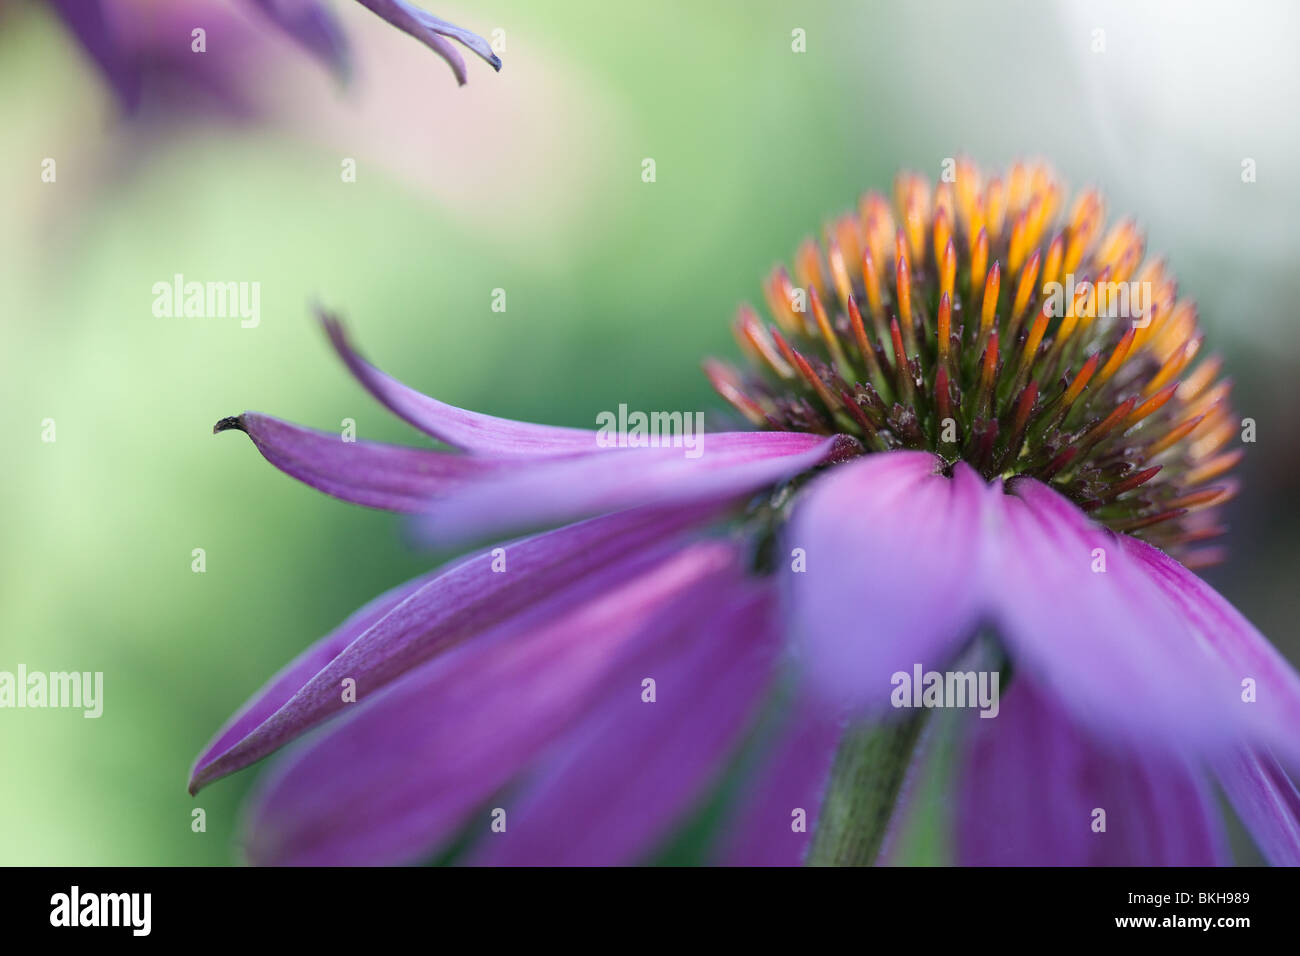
(977, 319)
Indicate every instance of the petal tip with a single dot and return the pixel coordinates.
(199, 778)
(334, 331)
(233, 422)
(212, 765)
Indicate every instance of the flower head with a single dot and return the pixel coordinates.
(977, 477)
(974, 320)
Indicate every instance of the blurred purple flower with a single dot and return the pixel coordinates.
(130, 40)
(513, 679)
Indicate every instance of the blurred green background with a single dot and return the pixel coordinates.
(527, 181)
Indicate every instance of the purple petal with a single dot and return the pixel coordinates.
(502, 437)
(633, 768)
(778, 816)
(374, 474)
(1266, 801)
(408, 766)
(1218, 630)
(893, 553)
(1031, 780)
(456, 426)
(98, 33)
(543, 576)
(312, 26)
(280, 688)
(1105, 644)
(430, 31)
(552, 492)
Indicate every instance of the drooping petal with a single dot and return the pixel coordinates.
(456, 426)
(501, 437)
(280, 688)
(378, 475)
(405, 770)
(778, 814)
(1092, 628)
(552, 492)
(893, 573)
(311, 24)
(633, 768)
(1267, 802)
(1262, 688)
(1032, 782)
(431, 31)
(542, 576)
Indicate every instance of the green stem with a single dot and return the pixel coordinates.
(866, 779)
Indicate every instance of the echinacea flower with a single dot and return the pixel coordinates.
(950, 463)
(131, 39)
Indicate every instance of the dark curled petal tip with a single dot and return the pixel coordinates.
(226, 424)
(496, 62)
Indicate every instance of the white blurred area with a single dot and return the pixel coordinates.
(1161, 118)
